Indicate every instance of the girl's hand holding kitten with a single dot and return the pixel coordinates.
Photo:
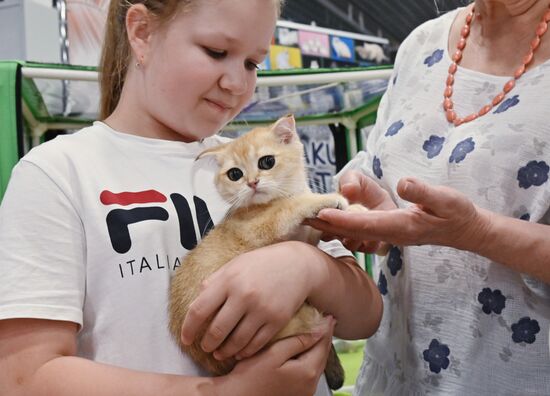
(290, 367)
(252, 297)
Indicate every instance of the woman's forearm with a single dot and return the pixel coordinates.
(518, 244)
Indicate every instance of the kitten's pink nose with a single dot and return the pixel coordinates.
(253, 184)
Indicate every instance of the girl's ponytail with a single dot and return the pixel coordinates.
(115, 57)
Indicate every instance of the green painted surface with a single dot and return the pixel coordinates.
(351, 361)
(9, 153)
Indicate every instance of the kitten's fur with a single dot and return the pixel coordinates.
(269, 213)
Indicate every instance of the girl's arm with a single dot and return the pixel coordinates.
(341, 288)
(37, 358)
(255, 295)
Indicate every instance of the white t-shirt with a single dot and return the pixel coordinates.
(456, 323)
(93, 225)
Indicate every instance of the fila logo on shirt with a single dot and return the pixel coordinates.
(119, 220)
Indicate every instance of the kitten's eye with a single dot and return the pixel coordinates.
(234, 174)
(266, 162)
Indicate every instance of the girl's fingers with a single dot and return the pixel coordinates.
(291, 347)
(288, 349)
(204, 306)
(240, 338)
(317, 355)
(229, 315)
(260, 340)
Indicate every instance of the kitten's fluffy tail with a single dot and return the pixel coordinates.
(334, 372)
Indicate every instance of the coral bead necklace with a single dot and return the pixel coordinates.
(448, 105)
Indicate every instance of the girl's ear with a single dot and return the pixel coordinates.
(285, 129)
(139, 28)
(212, 152)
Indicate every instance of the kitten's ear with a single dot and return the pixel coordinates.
(212, 152)
(285, 129)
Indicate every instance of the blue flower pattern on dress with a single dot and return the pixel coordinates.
(475, 301)
(461, 150)
(394, 128)
(435, 57)
(395, 261)
(525, 330)
(382, 284)
(433, 145)
(510, 102)
(437, 356)
(535, 173)
(491, 301)
(376, 167)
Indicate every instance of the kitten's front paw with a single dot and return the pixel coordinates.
(356, 208)
(312, 204)
(336, 201)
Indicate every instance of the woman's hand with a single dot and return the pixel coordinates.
(291, 366)
(439, 216)
(358, 188)
(362, 190)
(251, 298)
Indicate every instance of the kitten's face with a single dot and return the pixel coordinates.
(264, 164)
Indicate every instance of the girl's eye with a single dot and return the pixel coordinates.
(234, 174)
(266, 162)
(252, 66)
(214, 53)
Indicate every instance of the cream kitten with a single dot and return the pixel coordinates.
(262, 175)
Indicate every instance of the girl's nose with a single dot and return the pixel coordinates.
(234, 80)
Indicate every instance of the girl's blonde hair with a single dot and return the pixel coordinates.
(116, 53)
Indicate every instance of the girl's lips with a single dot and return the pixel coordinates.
(220, 106)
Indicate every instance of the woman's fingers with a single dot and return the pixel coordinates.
(369, 228)
(438, 215)
(330, 230)
(352, 244)
(339, 220)
(358, 188)
(441, 201)
(369, 246)
(382, 249)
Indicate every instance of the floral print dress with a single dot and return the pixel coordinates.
(456, 323)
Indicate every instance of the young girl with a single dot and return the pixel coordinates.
(93, 225)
